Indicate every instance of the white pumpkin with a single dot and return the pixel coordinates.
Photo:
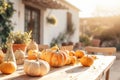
(36, 67)
(19, 56)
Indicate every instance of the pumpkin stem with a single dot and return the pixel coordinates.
(57, 50)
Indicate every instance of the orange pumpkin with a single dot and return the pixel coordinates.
(79, 53)
(32, 54)
(71, 60)
(72, 53)
(55, 58)
(87, 61)
(68, 61)
(8, 67)
(44, 54)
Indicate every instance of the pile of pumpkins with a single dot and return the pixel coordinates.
(31, 66)
(57, 58)
(38, 63)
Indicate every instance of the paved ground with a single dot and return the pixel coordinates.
(115, 70)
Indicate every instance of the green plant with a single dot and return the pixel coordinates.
(85, 40)
(58, 40)
(19, 37)
(52, 20)
(6, 12)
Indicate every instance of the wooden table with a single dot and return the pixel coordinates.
(69, 72)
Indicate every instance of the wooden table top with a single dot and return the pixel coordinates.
(68, 72)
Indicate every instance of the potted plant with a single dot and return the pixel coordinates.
(20, 40)
(52, 20)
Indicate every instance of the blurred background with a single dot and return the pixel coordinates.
(99, 19)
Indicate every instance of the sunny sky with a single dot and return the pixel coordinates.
(87, 7)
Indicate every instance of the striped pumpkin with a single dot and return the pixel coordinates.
(55, 58)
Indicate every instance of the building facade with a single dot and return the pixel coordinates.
(33, 15)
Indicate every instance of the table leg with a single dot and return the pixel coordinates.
(107, 74)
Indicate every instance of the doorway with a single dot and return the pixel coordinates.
(32, 22)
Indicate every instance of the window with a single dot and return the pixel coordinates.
(70, 28)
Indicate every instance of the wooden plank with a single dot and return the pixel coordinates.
(105, 50)
(46, 3)
(68, 72)
(98, 68)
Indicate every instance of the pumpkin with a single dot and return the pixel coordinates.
(1, 56)
(19, 56)
(79, 53)
(32, 46)
(44, 54)
(68, 61)
(72, 53)
(8, 66)
(32, 54)
(36, 67)
(55, 58)
(87, 60)
(71, 60)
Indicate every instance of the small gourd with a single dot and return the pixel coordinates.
(79, 53)
(8, 67)
(71, 60)
(19, 56)
(72, 53)
(87, 61)
(32, 46)
(33, 54)
(9, 64)
(36, 67)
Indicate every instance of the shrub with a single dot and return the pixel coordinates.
(85, 40)
(6, 12)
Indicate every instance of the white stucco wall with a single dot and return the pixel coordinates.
(75, 20)
(51, 31)
(18, 17)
